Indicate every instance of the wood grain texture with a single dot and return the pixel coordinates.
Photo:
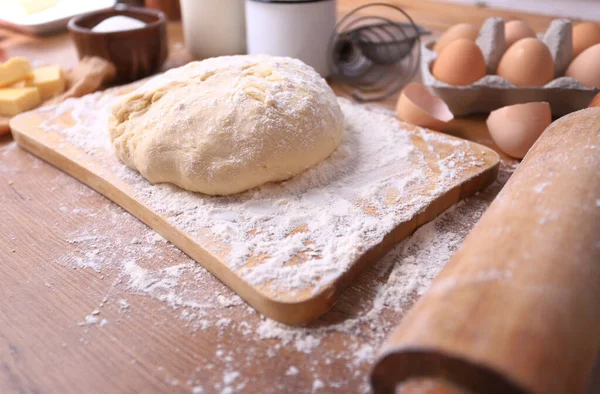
(147, 347)
(515, 309)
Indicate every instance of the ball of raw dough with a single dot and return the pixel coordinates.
(227, 124)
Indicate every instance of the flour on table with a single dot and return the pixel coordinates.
(172, 279)
(318, 384)
(331, 213)
(292, 371)
(165, 278)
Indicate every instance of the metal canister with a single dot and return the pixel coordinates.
(296, 28)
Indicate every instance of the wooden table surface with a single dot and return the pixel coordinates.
(93, 302)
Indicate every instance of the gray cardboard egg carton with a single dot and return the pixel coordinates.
(491, 92)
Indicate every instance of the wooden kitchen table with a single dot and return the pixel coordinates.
(92, 301)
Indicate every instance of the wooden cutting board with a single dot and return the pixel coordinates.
(432, 171)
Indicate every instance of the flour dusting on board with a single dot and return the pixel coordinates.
(148, 266)
(148, 278)
(144, 281)
(329, 215)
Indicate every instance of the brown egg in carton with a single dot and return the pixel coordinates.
(565, 94)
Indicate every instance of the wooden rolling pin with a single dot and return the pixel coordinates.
(517, 308)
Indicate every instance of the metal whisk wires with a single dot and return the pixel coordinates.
(372, 55)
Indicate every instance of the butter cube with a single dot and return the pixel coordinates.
(13, 70)
(21, 84)
(49, 80)
(15, 101)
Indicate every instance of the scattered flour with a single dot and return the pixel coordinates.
(230, 377)
(90, 319)
(318, 384)
(539, 188)
(291, 371)
(334, 352)
(165, 275)
(331, 213)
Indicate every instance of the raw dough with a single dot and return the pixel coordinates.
(228, 124)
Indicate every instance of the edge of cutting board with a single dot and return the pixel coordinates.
(41, 144)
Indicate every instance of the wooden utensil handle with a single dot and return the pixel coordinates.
(516, 310)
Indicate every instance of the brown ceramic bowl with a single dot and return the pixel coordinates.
(135, 53)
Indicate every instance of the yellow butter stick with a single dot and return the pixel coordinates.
(49, 80)
(13, 101)
(14, 70)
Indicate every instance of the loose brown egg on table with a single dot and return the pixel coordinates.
(418, 106)
(515, 128)
(460, 63)
(527, 62)
(586, 67)
(456, 32)
(584, 36)
(517, 30)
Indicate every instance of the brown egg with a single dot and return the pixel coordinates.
(460, 63)
(586, 67)
(517, 30)
(456, 32)
(584, 36)
(527, 62)
(418, 106)
(516, 128)
(595, 101)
